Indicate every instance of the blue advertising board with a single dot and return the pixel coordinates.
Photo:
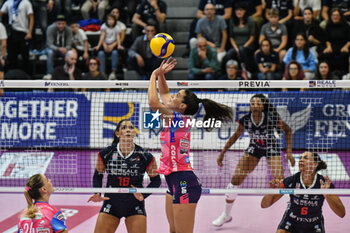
(318, 119)
(41, 120)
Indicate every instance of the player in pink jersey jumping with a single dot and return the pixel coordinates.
(40, 216)
(184, 188)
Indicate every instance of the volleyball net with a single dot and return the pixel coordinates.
(60, 133)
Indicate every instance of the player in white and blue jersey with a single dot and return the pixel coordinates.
(262, 123)
(125, 163)
(304, 212)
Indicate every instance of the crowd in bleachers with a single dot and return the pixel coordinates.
(228, 39)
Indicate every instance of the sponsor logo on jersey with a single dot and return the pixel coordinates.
(183, 151)
(107, 208)
(42, 230)
(296, 201)
(187, 159)
(60, 216)
(115, 156)
(184, 143)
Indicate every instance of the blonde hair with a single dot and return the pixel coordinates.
(32, 191)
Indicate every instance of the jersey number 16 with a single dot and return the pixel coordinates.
(124, 181)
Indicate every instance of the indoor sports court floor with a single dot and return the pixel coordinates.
(248, 217)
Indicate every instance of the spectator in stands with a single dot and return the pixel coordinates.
(63, 7)
(302, 54)
(140, 56)
(275, 32)
(213, 29)
(285, 8)
(94, 73)
(324, 72)
(96, 5)
(149, 12)
(120, 26)
(310, 27)
(254, 9)
(222, 8)
(301, 5)
(232, 71)
(241, 36)
(109, 44)
(328, 5)
(80, 41)
(58, 42)
(294, 71)
(3, 44)
(41, 8)
(127, 8)
(203, 62)
(337, 42)
(21, 19)
(68, 71)
(267, 60)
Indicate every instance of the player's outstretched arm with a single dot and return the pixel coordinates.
(153, 98)
(229, 143)
(162, 85)
(333, 200)
(269, 199)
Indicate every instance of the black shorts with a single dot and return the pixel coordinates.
(123, 208)
(293, 226)
(255, 151)
(184, 186)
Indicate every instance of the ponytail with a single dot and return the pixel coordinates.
(213, 110)
(31, 210)
(32, 191)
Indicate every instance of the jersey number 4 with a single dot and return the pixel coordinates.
(304, 210)
(124, 181)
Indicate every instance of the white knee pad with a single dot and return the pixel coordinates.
(231, 196)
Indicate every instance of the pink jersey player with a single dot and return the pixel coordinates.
(184, 187)
(175, 142)
(47, 220)
(40, 216)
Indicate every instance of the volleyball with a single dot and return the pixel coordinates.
(162, 45)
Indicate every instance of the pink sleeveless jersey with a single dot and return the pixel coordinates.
(47, 220)
(175, 142)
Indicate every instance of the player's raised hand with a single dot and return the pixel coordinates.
(167, 65)
(276, 183)
(291, 159)
(97, 198)
(138, 196)
(327, 184)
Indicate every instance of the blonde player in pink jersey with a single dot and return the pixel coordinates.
(184, 188)
(40, 216)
